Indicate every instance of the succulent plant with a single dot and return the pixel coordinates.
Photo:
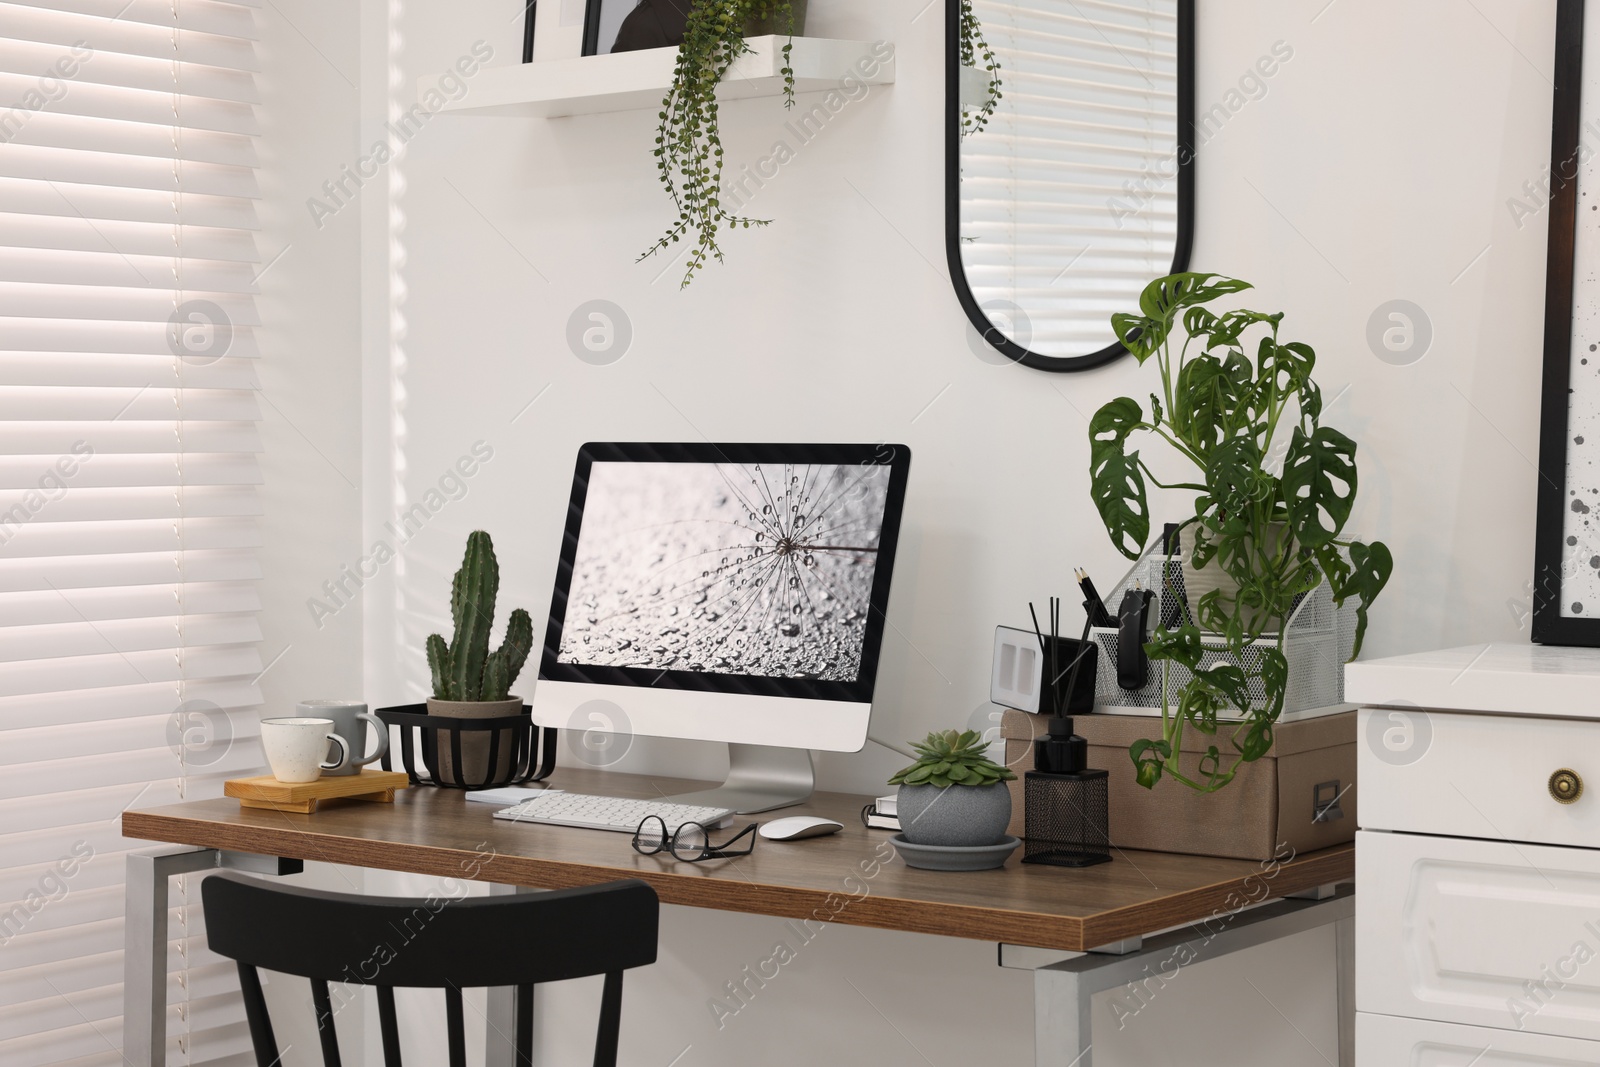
(952, 757)
(465, 669)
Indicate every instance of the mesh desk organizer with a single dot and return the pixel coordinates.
(1319, 640)
(532, 751)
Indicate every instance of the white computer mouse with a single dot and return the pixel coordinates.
(797, 827)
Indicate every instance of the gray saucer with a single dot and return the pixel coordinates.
(947, 858)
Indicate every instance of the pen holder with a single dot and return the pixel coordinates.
(1066, 818)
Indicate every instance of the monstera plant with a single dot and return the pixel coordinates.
(1234, 395)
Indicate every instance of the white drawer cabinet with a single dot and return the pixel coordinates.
(1477, 775)
(1478, 859)
(1480, 932)
(1388, 1041)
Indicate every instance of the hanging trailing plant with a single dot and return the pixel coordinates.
(1276, 537)
(688, 147)
(976, 53)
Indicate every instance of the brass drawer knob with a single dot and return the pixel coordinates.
(1565, 786)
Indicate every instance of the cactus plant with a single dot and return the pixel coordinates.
(465, 669)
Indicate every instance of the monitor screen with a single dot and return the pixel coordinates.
(726, 562)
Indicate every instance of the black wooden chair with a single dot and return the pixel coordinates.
(389, 942)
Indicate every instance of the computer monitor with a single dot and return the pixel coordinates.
(732, 593)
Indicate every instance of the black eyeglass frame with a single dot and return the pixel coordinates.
(669, 842)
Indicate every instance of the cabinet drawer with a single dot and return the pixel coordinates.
(1479, 932)
(1488, 776)
(1385, 1041)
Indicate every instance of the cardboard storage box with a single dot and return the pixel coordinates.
(1284, 799)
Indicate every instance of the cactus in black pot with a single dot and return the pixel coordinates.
(465, 669)
(470, 681)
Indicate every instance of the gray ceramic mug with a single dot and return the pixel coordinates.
(350, 719)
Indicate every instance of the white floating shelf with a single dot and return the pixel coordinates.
(627, 81)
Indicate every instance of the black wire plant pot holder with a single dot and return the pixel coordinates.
(532, 749)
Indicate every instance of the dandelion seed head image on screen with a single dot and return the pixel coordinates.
(726, 568)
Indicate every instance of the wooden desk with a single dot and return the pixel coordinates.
(851, 877)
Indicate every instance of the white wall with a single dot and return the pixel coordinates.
(1376, 167)
(310, 374)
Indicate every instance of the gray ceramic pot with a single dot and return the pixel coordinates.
(958, 815)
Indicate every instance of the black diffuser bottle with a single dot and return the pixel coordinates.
(1066, 806)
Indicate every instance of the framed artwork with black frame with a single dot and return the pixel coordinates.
(1566, 587)
(658, 25)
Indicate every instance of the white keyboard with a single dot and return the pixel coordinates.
(609, 813)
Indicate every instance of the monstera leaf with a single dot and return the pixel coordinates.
(1147, 768)
(1162, 298)
(1234, 475)
(1140, 335)
(1310, 405)
(1229, 680)
(1199, 402)
(1226, 330)
(1199, 322)
(1181, 645)
(1257, 741)
(1210, 691)
(1333, 565)
(1199, 705)
(1319, 484)
(1116, 482)
(1370, 568)
(1285, 366)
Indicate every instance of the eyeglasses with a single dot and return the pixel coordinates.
(690, 842)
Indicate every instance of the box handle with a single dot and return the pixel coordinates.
(1325, 802)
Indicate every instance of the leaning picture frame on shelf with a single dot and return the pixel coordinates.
(629, 25)
(1566, 583)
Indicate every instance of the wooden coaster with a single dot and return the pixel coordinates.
(267, 792)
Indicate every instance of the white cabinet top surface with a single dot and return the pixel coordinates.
(1513, 679)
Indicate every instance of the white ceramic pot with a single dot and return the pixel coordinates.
(1197, 583)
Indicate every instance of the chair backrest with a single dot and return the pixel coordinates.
(390, 942)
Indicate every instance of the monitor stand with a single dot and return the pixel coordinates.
(760, 778)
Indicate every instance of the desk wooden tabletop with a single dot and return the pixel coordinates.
(851, 877)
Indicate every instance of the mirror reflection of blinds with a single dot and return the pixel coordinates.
(1069, 200)
(128, 508)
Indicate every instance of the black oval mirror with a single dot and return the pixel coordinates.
(1073, 186)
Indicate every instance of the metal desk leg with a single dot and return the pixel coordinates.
(144, 947)
(144, 950)
(1344, 939)
(1064, 989)
(501, 1016)
(1062, 1031)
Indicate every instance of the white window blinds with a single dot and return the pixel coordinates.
(1069, 197)
(128, 637)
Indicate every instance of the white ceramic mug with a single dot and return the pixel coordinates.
(295, 748)
(350, 720)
